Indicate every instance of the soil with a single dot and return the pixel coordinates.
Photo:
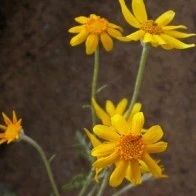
(46, 82)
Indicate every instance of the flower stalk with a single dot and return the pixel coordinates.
(143, 61)
(94, 83)
(44, 159)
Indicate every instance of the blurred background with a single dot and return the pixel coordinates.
(46, 82)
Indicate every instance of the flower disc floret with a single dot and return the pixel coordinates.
(131, 147)
(151, 27)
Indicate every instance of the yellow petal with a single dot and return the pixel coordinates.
(106, 41)
(94, 141)
(136, 108)
(133, 173)
(81, 19)
(76, 29)
(154, 168)
(178, 34)
(106, 161)
(102, 115)
(110, 108)
(123, 39)
(174, 27)
(97, 171)
(80, 38)
(158, 40)
(113, 32)
(139, 10)
(136, 35)
(120, 124)
(137, 123)
(114, 26)
(91, 43)
(118, 174)
(157, 147)
(165, 18)
(120, 108)
(14, 117)
(128, 15)
(148, 38)
(167, 46)
(2, 141)
(103, 150)
(175, 43)
(6, 119)
(152, 135)
(3, 127)
(105, 132)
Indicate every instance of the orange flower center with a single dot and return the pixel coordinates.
(131, 147)
(96, 25)
(12, 131)
(151, 27)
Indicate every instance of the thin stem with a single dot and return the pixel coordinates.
(44, 159)
(103, 184)
(143, 61)
(130, 186)
(94, 83)
(87, 183)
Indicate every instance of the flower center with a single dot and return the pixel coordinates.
(12, 131)
(96, 25)
(131, 147)
(151, 27)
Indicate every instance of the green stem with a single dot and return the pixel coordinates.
(143, 61)
(44, 159)
(103, 184)
(94, 83)
(87, 183)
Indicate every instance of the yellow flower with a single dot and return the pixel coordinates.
(12, 129)
(111, 110)
(92, 30)
(124, 146)
(157, 32)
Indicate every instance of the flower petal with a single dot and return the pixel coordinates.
(110, 108)
(136, 108)
(76, 29)
(91, 43)
(174, 27)
(106, 161)
(114, 26)
(175, 43)
(158, 40)
(157, 147)
(81, 19)
(114, 33)
(133, 173)
(105, 132)
(139, 10)
(103, 150)
(153, 134)
(120, 108)
(154, 168)
(80, 38)
(120, 124)
(94, 141)
(148, 38)
(136, 35)
(97, 171)
(118, 174)
(128, 15)
(105, 118)
(178, 34)
(106, 41)
(137, 123)
(3, 127)
(6, 119)
(165, 18)
(14, 117)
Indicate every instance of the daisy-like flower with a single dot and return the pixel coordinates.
(12, 129)
(111, 110)
(157, 32)
(93, 29)
(124, 146)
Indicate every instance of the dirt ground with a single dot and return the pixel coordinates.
(46, 81)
